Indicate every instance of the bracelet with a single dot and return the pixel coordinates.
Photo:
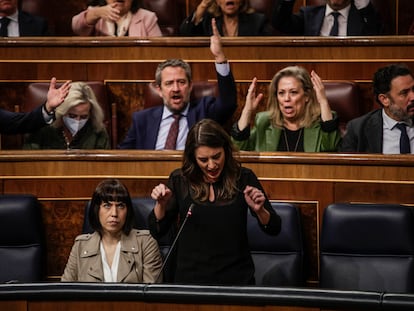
(223, 62)
(49, 113)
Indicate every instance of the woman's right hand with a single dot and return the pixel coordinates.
(108, 12)
(250, 107)
(162, 194)
(201, 10)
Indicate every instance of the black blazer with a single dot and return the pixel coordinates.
(364, 134)
(253, 24)
(308, 21)
(30, 25)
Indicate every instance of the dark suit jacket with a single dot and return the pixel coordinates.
(15, 123)
(30, 25)
(253, 24)
(364, 134)
(146, 123)
(308, 21)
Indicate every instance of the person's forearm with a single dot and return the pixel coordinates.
(93, 15)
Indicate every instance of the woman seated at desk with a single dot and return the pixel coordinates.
(116, 18)
(298, 116)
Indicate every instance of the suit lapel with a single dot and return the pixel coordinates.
(373, 133)
(152, 128)
(315, 22)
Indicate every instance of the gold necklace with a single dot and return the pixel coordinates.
(235, 32)
(297, 141)
(67, 141)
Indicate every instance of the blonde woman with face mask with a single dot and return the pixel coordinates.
(78, 125)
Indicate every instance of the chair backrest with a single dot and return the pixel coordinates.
(22, 239)
(368, 247)
(170, 14)
(265, 7)
(344, 98)
(278, 259)
(200, 89)
(36, 95)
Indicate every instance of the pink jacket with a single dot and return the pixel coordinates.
(143, 24)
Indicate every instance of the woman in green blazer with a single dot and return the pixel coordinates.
(298, 116)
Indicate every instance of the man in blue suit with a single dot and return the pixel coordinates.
(17, 23)
(150, 127)
(354, 18)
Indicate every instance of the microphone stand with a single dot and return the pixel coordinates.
(190, 210)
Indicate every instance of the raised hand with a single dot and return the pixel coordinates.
(56, 96)
(326, 113)
(250, 107)
(215, 44)
(254, 197)
(162, 194)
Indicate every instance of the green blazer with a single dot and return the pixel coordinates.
(265, 137)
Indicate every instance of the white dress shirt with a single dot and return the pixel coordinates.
(13, 28)
(391, 135)
(110, 272)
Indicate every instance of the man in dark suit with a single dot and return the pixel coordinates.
(336, 18)
(16, 23)
(383, 130)
(14, 123)
(150, 127)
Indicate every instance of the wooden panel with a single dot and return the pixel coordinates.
(14, 305)
(64, 181)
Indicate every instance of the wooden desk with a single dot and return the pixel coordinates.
(126, 65)
(64, 181)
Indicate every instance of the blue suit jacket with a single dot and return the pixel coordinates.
(14, 123)
(308, 21)
(146, 123)
(30, 25)
(364, 134)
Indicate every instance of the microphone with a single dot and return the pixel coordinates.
(189, 213)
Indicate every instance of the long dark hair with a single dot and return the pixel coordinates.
(209, 133)
(115, 191)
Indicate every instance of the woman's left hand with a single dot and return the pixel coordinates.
(326, 113)
(254, 197)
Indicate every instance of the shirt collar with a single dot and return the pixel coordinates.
(166, 113)
(389, 123)
(344, 12)
(14, 16)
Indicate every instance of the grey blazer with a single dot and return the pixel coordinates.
(364, 134)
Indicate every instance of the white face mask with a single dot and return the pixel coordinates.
(74, 125)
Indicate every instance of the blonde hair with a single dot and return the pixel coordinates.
(80, 93)
(312, 107)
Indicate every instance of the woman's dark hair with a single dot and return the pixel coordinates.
(135, 5)
(209, 133)
(110, 190)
